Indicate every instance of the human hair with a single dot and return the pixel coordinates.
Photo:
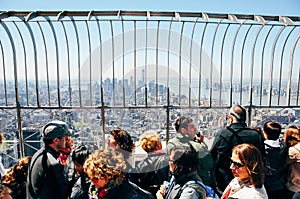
(150, 142)
(80, 154)
(16, 176)
(123, 140)
(1, 138)
(68, 146)
(184, 122)
(272, 129)
(107, 164)
(292, 135)
(251, 157)
(4, 190)
(238, 113)
(184, 159)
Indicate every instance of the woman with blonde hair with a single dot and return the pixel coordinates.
(154, 169)
(106, 172)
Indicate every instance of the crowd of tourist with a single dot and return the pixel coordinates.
(243, 163)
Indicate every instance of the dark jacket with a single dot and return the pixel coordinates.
(125, 190)
(80, 189)
(152, 172)
(45, 176)
(193, 189)
(236, 133)
(205, 162)
(275, 157)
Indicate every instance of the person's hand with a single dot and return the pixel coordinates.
(199, 137)
(161, 192)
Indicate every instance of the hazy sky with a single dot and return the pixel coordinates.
(259, 7)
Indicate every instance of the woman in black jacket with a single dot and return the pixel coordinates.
(154, 169)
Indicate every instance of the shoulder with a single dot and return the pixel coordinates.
(257, 193)
(190, 192)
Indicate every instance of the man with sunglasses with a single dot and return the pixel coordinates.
(235, 133)
(45, 174)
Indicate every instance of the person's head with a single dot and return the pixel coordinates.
(121, 140)
(54, 134)
(246, 163)
(292, 135)
(79, 155)
(5, 192)
(237, 114)
(105, 168)
(187, 126)
(17, 174)
(150, 142)
(182, 160)
(271, 130)
(68, 146)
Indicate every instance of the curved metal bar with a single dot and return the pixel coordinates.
(281, 63)
(113, 61)
(272, 63)
(169, 42)
(90, 62)
(262, 64)
(232, 60)
(212, 64)
(252, 62)
(78, 61)
(221, 64)
(180, 49)
(46, 62)
(242, 62)
(291, 70)
(100, 54)
(4, 72)
(57, 59)
(35, 63)
(191, 52)
(68, 62)
(123, 62)
(146, 62)
(25, 62)
(200, 67)
(135, 86)
(156, 62)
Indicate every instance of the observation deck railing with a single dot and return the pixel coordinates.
(138, 70)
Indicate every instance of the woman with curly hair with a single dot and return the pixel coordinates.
(120, 140)
(16, 178)
(106, 172)
(248, 170)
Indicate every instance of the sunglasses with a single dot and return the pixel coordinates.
(236, 164)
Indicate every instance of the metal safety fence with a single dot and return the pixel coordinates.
(139, 70)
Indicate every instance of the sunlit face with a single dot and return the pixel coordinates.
(61, 143)
(238, 169)
(112, 143)
(99, 182)
(191, 129)
(78, 167)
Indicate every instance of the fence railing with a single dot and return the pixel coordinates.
(105, 65)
